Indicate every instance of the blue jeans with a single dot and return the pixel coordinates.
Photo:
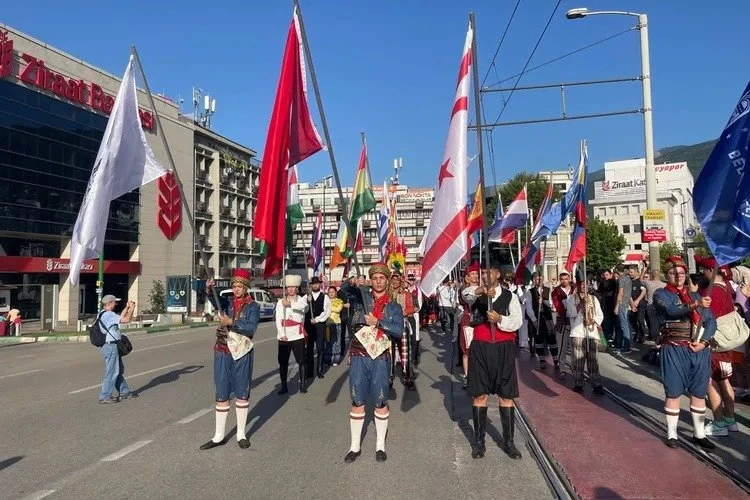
(624, 321)
(114, 372)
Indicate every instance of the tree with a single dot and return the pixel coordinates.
(158, 298)
(604, 244)
(669, 249)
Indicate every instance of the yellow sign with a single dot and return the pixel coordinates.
(654, 214)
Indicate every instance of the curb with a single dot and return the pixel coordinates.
(5, 342)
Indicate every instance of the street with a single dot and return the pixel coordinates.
(58, 442)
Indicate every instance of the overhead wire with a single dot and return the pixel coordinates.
(502, 39)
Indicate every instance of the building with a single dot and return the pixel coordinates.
(413, 209)
(621, 198)
(53, 113)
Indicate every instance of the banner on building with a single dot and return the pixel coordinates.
(178, 292)
(654, 224)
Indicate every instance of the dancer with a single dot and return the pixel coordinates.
(290, 331)
(687, 326)
(317, 315)
(538, 309)
(369, 363)
(586, 317)
(467, 296)
(562, 326)
(416, 319)
(233, 357)
(402, 346)
(492, 363)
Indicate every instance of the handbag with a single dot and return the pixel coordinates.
(731, 332)
(124, 346)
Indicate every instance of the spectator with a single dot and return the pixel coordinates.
(14, 320)
(607, 291)
(637, 305)
(652, 282)
(114, 369)
(622, 306)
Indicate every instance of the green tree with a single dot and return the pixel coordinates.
(669, 249)
(604, 244)
(158, 298)
(701, 247)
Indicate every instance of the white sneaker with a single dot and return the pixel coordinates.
(733, 427)
(714, 429)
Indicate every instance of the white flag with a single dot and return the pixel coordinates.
(445, 240)
(125, 162)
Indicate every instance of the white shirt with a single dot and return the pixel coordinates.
(577, 328)
(296, 312)
(446, 296)
(322, 317)
(528, 302)
(514, 320)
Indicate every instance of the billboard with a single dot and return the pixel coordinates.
(654, 224)
(178, 293)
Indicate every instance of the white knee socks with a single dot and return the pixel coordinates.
(673, 417)
(356, 422)
(699, 421)
(221, 424)
(381, 429)
(241, 409)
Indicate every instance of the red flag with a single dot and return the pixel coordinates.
(292, 137)
(578, 239)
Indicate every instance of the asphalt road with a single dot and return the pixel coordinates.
(56, 441)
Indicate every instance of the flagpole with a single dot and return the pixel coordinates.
(323, 121)
(185, 205)
(100, 282)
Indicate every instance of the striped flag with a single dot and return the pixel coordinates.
(578, 239)
(384, 218)
(315, 254)
(475, 217)
(504, 230)
(294, 211)
(363, 199)
(532, 254)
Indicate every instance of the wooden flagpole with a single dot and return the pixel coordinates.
(185, 205)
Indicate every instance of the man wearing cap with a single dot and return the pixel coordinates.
(114, 369)
(368, 370)
(686, 327)
(538, 309)
(562, 326)
(402, 346)
(233, 357)
(290, 331)
(492, 362)
(468, 294)
(416, 299)
(320, 310)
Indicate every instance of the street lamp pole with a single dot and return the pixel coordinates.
(648, 123)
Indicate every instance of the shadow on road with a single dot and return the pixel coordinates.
(167, 378)
(335, 391)
(4, 464)
(264, 409)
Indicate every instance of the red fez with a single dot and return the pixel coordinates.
(705, 262)
(675, 261)
(242, 276)
(473, 267)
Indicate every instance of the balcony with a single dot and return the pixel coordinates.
(202, 177)
(420, 222)
(225, 211)
(254, 192)
(200, 206)
(242, 215)
(316, 208)
(339, 208)
(243, 243)
(225, 272)
(225, 242)
(419, 205)
(367, 258)
(367, 241)
(200, 272)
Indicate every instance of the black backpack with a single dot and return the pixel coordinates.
(97, 335)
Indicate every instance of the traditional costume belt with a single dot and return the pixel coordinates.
(290, 322)
(676, 332)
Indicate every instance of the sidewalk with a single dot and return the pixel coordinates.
(603, 451)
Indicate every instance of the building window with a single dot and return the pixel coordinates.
(636, 209)
(637, 246)
(625, 229)
(561, 186)
(624, 210)
(601, 212)
(637, 228)
(611, 211)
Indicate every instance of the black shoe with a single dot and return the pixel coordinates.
(212, 444)
(380, 456)
(244, 443)
(704, 443)
(599, 390)
(302, 380)
(578, 388)
(283, 390)
(320, 375)
(409, 384)
(672, 443)
(352, 456)
(508, 421)
(110, 400)
(479, 415)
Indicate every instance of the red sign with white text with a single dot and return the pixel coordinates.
(20, 264)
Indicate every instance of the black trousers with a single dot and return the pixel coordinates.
(316, 338)
(285, 349)
(653, 321)
(344, 325)
(638, 323)
(544, 337)
(447, 319)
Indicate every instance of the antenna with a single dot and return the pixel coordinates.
(398, 165)
(203, 116)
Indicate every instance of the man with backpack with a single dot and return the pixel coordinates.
(107, 327)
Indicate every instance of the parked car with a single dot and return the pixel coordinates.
(265, 299)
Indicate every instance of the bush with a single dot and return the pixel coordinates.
(157, 298)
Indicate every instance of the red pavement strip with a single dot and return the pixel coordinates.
(604, 452)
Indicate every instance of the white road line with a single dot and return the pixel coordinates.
(158, 346)
(26, 356)
(128, 376)
(126, 450)
(195, 415)
(38, 495)
(22, 373)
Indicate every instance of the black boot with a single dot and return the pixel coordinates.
(302, 379)
(508, 420)
(320, 365)
(416, 352)
(284, 389)
(479, 414)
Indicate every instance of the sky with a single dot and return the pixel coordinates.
(389, 68)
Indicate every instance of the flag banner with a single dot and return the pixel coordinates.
(340, 249)
(516, 217)
(294, 211)
(559, 211)
(578, 239)
(446, 239)
(124, 162)
(721, 195)
(315, 254)
(291, 138)
(363, 198)
(475, 219)
(531, 254)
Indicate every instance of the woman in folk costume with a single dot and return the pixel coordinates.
(233, 357)
(332, 351)
(686, 327)
(586, 317)
(401, 348)
(290, 331)
(379, 320)
(467, 295)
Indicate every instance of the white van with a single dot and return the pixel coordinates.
(265, 299)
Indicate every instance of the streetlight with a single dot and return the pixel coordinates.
(648, 125)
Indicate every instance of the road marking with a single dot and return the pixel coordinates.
(22, 373)
(195, 415)
(158, 346)
(126, 450)
(128, 376)
(26, 356)
(38, 495)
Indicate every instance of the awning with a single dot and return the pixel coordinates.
(634, 257)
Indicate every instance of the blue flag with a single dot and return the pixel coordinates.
(559, 211)
(721, 197)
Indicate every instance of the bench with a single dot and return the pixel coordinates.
(143, 321)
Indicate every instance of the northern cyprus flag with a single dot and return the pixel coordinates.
(124, 162)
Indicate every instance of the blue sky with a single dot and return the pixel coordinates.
(389, 68)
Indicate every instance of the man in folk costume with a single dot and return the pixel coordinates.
(538, 310)
(290, 331)
(415, 320)
(233, 357)
(378, 322)
(402, 346)
(317, 315)
(492, 362)
(562, 326)
(686, 327)
(467, 296)
(586, 317)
